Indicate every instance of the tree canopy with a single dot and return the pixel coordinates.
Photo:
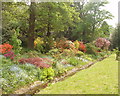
(83, 21)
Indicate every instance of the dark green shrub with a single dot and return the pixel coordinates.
(91, 49)
(15, 41)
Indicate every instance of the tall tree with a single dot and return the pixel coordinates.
(31, 31)
(92, 17)
(14, 16)
(104, 30)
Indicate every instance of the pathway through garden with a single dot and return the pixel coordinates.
(101, 78)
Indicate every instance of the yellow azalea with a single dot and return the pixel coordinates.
(38, 40)
(77, 44)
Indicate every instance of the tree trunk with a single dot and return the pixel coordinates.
(48, 23)
(31, 26)
(48, 29)
(84, 35)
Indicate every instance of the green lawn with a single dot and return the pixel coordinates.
(101, 78)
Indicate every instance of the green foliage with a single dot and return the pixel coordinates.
(53, 51)
(59, 69)
(73, 61)
(104, 30)
(5, 62)
(56, 20)
(118, 56)
(15, 41)
(92, 19)
(16, 75)
(47, 74)
(14, 15)
(39, 48)
(91, 49)
(79, 53)
(34, 53)
(117, 52)
(48, 43)
(68, 52)
(115, 38)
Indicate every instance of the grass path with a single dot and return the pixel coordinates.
(101, 78)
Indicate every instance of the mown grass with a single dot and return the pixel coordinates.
(101, 78)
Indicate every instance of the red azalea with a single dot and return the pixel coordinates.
(82, 46)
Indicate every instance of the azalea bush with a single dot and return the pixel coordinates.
(64, 44)
(6, 50)
(80, 46)
(102, 43)
(38, 44)
(67, 44)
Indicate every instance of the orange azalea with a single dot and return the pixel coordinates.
(5, 48)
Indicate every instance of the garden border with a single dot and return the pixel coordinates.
(32, 88)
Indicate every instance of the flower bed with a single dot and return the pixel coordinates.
(31, 89)
(33, 66)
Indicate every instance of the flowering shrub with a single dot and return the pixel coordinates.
(5, 48)
(10, 55)
(82, 47)
(59, 44)
(68, 44)
(38, 41)
(39, 62)
(102, 43)
(65, 44)
(76, 43)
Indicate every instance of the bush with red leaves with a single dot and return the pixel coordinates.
(39, 62)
